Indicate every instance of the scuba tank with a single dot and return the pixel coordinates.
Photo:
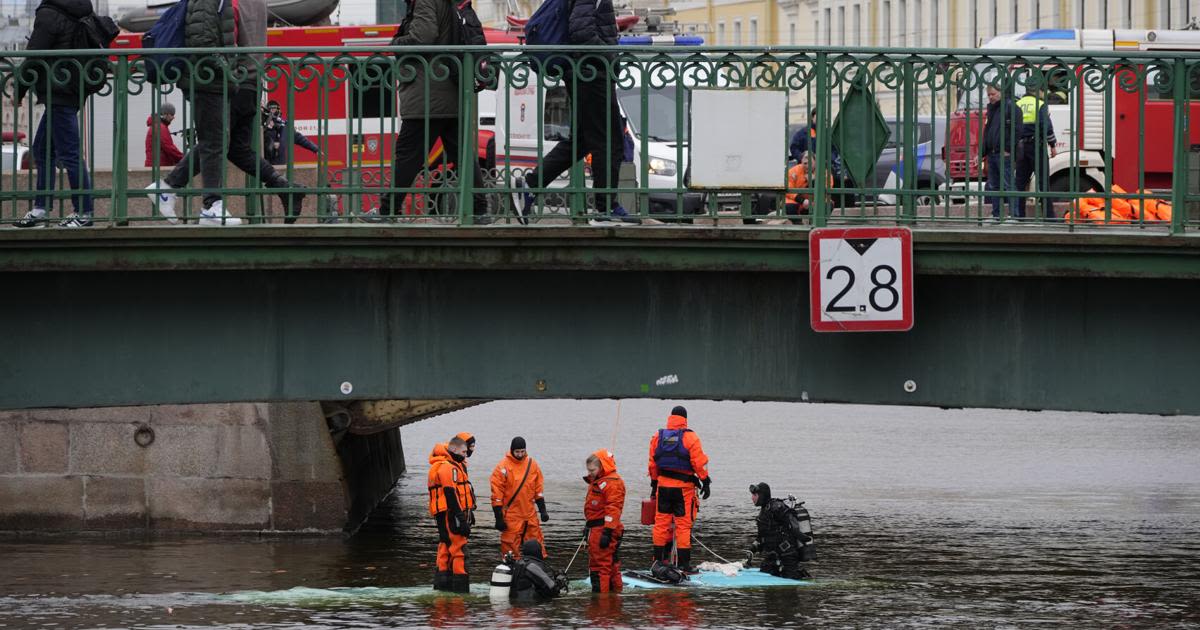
(808, 550)
(501, 581)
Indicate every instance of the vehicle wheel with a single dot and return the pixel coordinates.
(1062, 183)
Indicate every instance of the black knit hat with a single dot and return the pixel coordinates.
(531, 549)
(517, 442)
(679, 411)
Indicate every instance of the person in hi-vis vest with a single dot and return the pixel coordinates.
(1035, 147)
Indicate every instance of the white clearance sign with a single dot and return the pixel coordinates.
(861, 279)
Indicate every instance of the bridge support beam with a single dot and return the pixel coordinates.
(217, 467)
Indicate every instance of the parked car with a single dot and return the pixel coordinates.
(14, 153)
(931, 163)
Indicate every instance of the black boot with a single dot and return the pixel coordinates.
(293, 204)
(460, 583)
(660, 553)
(685, 560)
(441, 581)
(595, 577)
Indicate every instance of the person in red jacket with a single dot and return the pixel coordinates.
(168, 153)
(602, 508)
(677, 465)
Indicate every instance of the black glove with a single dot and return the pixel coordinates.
(606, 538)
(706, 487)
(541, 505)
(460, 524)
(500, 524)
(561, 583)
(653, 488)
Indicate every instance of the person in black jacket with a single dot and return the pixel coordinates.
(1000, 133)
(598, 126)
(56, 83)
(275, 150)
(532, 580)
(781, 537)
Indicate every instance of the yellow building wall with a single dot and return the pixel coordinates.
(744, 13)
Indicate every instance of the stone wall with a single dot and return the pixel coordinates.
(243, 467)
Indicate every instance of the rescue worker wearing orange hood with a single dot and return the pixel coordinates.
(677, 465)
(602, 508)
(517, 486)
(451, 500)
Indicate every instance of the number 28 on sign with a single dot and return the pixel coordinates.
(861, 279)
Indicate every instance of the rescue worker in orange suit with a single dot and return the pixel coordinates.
(517, 486)
(451, 500)
(677, 465)
(602, 508)
(469, 441)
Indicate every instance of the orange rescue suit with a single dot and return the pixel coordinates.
(602, 508)
(677, 505)
(518, 505)
(448, 478)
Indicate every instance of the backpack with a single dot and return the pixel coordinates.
(93, 32)
(469, 32)
(167, 32)
(549, 26)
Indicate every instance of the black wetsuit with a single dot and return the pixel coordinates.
(784, 546)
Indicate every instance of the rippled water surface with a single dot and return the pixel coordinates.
(925, 517)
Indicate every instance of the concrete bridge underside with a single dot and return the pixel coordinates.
(1083, 321)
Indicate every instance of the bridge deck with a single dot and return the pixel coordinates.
(1025, 250)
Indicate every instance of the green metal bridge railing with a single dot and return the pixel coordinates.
(1123, 119)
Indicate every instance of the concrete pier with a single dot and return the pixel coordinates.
(220, 467)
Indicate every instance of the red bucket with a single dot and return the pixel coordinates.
(648, 508)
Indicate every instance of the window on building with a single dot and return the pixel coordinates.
(934, 25)
(841, 26)
(753, 31)
(720, 33)
(1104, 14)
(1015, 18)
(737, 32)
(994, 25)
(828, 27)
(887, 23)
(974, 24)
(856, 26)
(919, 24)
(902, 23)
(792, 34)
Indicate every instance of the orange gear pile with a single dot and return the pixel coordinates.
(1124, 211)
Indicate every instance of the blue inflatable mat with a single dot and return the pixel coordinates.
(746, 578)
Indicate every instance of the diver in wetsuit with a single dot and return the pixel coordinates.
(784, 535)
(532, 580)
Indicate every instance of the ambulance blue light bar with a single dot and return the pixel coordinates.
(661, 40)
(1050, 33)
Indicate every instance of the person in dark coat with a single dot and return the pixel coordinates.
(56, 83)
(598, 126)
(1000, 133)
(429, 106)
(226, 106)
(1035, 147)
(275, 150)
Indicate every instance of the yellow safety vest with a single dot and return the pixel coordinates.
(1029, 105)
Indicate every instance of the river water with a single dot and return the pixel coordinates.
(924, 518)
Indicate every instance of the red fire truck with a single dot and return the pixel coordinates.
(354, 122)
(1141, 129)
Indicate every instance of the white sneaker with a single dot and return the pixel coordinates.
(216, 215)
(162, 201)
(35, 218)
